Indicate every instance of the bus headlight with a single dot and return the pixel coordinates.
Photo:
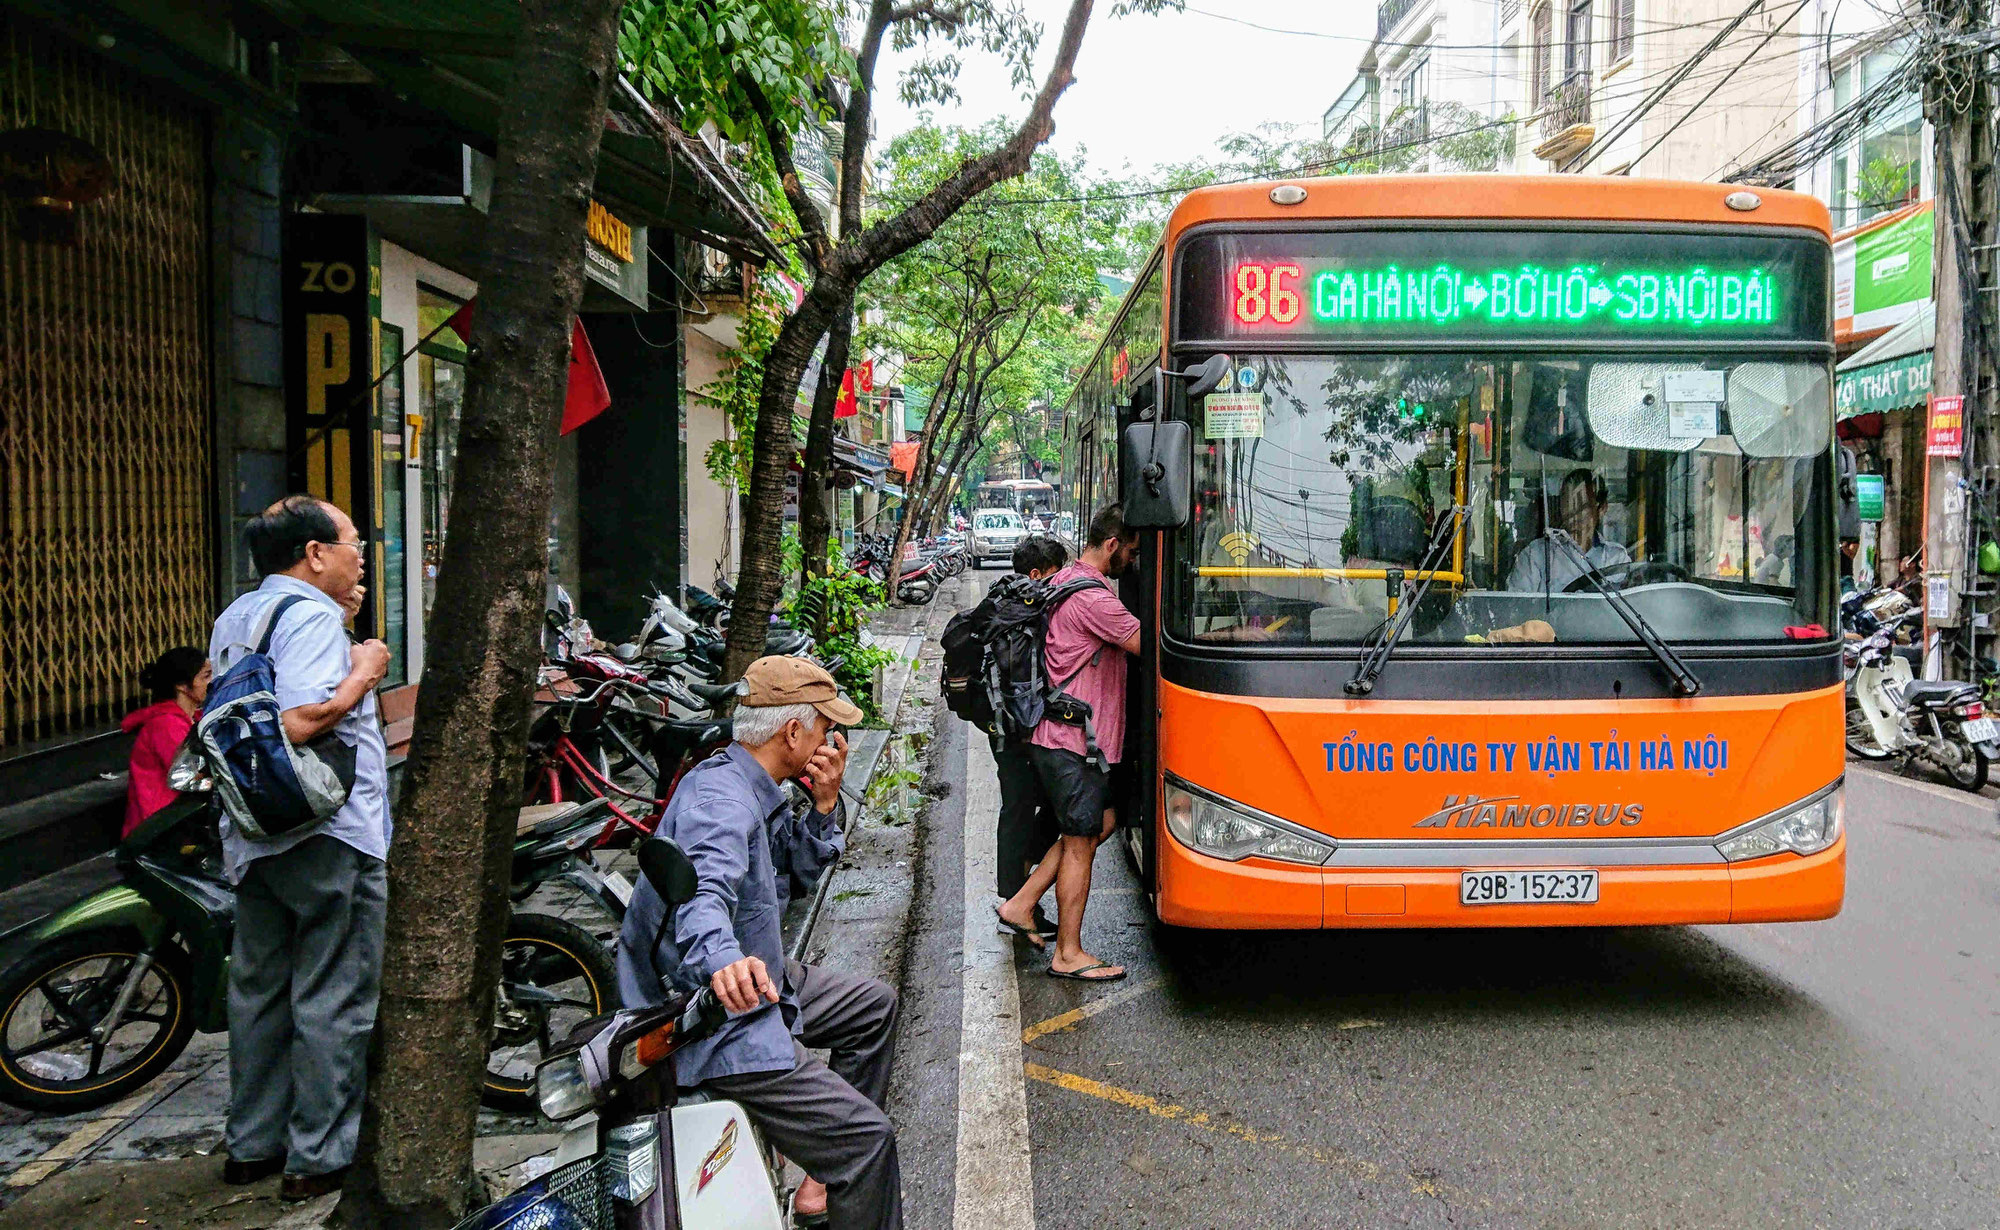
(1230, 831)
(1804, 828)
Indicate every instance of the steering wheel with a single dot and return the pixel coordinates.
(1632, 572)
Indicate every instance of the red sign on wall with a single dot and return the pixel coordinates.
(1947, 427)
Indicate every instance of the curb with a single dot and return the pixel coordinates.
(868, 899)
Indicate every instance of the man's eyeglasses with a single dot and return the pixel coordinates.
(360, 545)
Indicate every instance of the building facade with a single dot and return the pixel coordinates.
(263, 235)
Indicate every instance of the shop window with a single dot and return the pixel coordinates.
(389, 579)
(440, 401)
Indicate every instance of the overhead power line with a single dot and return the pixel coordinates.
(1712, 90)
(1641, 29)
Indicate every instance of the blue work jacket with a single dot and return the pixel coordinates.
(750, 847)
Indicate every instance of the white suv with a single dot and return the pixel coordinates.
(995, 533)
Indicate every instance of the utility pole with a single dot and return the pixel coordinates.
(1958, 102)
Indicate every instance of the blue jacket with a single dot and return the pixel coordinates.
(749, 846)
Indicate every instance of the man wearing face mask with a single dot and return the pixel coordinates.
(1543, 567)
(750, 847)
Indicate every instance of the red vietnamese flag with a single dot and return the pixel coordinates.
(844, 406)
(587, 396)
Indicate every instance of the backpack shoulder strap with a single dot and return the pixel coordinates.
(1069, 589)
(283, 604)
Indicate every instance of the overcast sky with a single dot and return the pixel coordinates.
(1165, 88)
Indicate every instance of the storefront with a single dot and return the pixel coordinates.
(1880, 393)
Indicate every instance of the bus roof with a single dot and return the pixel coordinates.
(1597, 198)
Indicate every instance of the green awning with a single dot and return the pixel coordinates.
(1894, 384)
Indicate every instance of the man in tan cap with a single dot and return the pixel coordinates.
(750, 847)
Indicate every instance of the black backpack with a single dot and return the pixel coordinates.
(994, 674)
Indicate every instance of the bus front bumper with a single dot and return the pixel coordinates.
(1256, 894)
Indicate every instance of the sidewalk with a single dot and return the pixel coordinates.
(156, 1158)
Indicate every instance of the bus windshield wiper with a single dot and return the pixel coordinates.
(1684, 679)
(1386, 638)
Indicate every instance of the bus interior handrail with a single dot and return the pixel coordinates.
(1332, 574)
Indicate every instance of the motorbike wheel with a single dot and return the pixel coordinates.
(1861, 742)
(54, 995)
(1969, 773)
(571, 977)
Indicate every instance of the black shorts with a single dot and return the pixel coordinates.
(1078, 793)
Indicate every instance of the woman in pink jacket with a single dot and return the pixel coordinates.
(178, 682)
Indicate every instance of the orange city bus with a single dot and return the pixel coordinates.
(1488, 559)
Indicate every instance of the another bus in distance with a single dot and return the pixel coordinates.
(1488, 565)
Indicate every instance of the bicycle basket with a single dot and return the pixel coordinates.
(573, 1197)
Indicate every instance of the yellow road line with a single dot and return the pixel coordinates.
(86, 1134)
(1061, 1021)
(1420, 1185)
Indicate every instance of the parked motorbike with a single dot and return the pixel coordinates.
(650, 1155)
(916, 580)
(112, 989)
(1892, 716)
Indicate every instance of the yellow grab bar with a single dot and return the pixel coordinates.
(1332, 574)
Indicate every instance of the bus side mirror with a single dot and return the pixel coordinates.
(1159, 483)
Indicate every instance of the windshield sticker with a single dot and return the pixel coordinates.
(1697, 386)
(1692, 420)
(1233, 416)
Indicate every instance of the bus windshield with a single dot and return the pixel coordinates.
(1700, 486)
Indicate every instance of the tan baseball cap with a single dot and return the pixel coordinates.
(783, 680)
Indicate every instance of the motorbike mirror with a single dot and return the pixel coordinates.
(667, 868)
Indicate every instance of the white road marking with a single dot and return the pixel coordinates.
(995, 1185)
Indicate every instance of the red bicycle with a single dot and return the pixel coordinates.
(597, 723)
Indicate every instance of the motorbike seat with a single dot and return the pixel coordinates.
(543, 819)
(712, 694)
(786, 643)
(677, 738)
(1937, 693)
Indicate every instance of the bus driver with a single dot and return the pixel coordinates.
(1540, 567)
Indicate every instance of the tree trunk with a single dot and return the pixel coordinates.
(758, 581)
(815, 503)
(448, 871)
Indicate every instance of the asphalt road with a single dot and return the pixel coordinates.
(1837, 1074)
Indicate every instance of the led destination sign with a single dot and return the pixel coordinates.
(1451, 285)
(1281, 294)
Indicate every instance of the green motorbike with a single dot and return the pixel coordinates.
(111, 989)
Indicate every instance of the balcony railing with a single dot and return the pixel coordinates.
(1390, 12)
(814, 159)
(1566, 105)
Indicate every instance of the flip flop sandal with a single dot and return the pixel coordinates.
(1026, 933)
(1079, 975)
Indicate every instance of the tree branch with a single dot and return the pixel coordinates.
(920, 220)
(780, 142)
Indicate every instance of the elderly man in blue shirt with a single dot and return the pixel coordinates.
(749, 846)
(307, 963)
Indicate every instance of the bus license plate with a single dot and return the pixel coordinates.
(1570, 887)
(1979, 730)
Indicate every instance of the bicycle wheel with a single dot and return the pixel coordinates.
(53, 996)
(554, 975)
